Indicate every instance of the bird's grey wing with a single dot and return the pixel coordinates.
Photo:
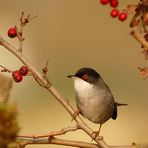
(113, 104)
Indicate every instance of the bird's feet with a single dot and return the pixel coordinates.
(95, 134)
(75, 115)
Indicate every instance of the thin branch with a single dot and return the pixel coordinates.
(23, 22)
(37, 80)
(45, 71)
(139, 38)
(57, 141)
(33, 17)
(50, 139)
(22, 16)
(5, 69)
(51, 134)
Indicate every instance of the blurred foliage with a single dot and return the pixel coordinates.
(9, 127)
(13, 145)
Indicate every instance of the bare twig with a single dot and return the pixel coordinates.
(37, 80)
(139, 38)
(50, 139)
(57, 141)
(51, 134)
(5, 69)
(45, 71)
(33, 17)
(23, 22)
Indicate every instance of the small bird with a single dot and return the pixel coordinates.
(94, 99)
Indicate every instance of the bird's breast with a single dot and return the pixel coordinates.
(92, 102)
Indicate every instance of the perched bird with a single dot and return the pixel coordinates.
(94, 99)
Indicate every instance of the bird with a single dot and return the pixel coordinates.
(94, 98)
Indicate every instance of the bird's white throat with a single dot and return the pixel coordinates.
(82, 86)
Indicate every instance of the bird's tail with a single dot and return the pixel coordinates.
(120, 104)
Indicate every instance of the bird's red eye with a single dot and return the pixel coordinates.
(85, 77)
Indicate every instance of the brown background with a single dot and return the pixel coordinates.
(74, 34)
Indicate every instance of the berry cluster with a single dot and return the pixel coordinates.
(18, 74)
(115, 12)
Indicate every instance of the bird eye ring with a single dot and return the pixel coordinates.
(85, 77)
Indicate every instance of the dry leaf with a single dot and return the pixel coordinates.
(143, 72)
(131, 8)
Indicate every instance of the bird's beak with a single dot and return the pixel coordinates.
(71, 76)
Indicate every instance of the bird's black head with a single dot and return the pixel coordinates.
(88, 75)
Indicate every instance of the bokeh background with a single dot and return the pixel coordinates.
(74, 34)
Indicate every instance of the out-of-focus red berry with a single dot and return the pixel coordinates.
(12, 32)
(114, 13)
(23, 70)
(114, 3)
(17, 76)
(104, 2)
(122, 16)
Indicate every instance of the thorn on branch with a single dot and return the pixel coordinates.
(45, 69)
(21, 19)
(25, 20)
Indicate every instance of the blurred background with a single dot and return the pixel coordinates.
(74, 34)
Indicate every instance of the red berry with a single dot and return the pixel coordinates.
(114, 3)
(104, 2)
(114, 13)
(17, 76)
(122, 16)
(12, 32)
(23, 70)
